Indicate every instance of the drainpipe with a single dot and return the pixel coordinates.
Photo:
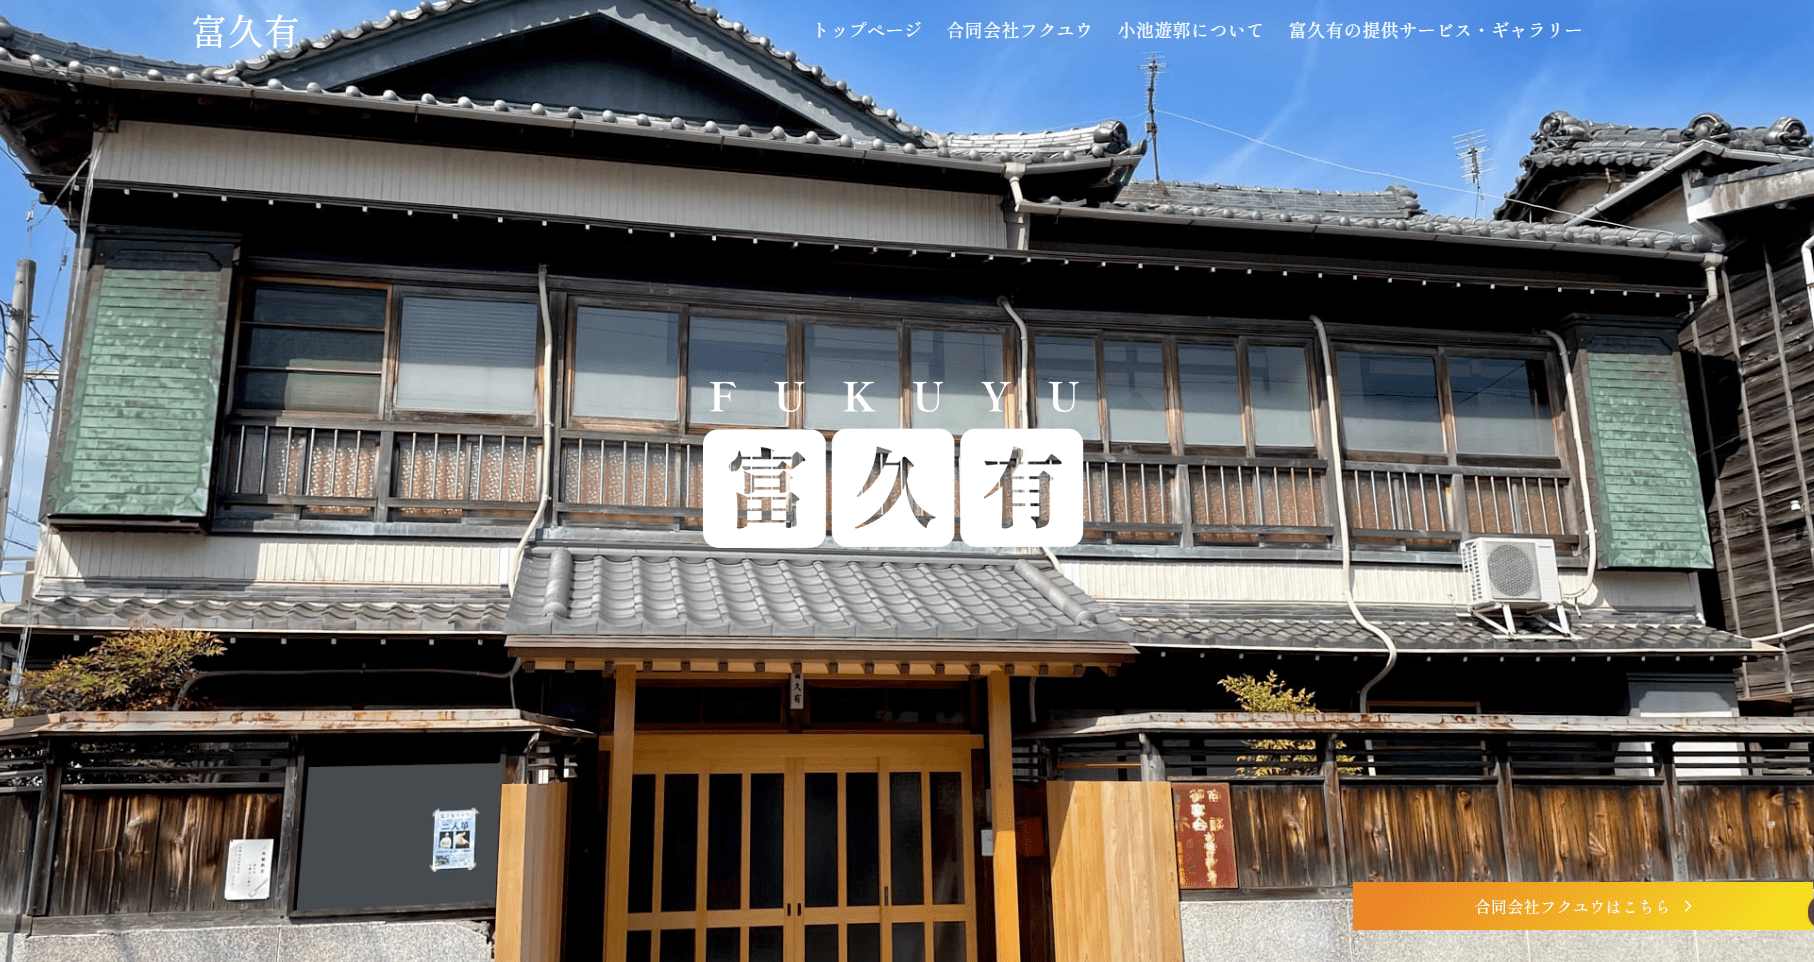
(1021, 394)
(1587, 502)
(1341, 510)
(1019, 224)
(545, 490)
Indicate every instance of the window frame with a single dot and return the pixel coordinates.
(1452, 454)
(1176, 443)
(394, 351)
(243, 322)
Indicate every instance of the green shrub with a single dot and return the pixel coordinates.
(139, 670)
(1282, 756)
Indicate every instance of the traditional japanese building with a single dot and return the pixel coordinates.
(1745, 346)
(390, 359)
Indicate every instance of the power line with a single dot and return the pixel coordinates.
(1374, 173)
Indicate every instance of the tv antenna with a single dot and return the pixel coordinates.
(1471, 149)
(1152, 67)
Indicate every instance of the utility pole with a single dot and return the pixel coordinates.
(1152, 68)
(12, 384)
(12, 376)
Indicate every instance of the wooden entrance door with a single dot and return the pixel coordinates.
(801, 848)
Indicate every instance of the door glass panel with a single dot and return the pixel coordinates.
(638, 944)
(863, 942)
(677, 945)
(642, 844)
(947, 838)
(722, 945)
(679, 848)
(768, 819)
(948, 942)
(724, 843)
(909, 942)
(821, 942)
(765, 944)
(862, 844)
(907, 860)
(822, 843)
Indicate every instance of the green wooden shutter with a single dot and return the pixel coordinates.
(1648, 493)
(138, 433)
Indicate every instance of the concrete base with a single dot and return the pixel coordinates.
(1322, 930)
(323, 942)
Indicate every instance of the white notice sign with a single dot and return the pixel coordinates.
(249, 869)
(453, 838)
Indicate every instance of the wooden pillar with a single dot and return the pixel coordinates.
(532, 872)
(1001, 817)
(617, 838)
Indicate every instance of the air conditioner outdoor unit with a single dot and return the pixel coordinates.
(1514, 572)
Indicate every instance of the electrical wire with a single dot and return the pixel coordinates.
(1375, 173)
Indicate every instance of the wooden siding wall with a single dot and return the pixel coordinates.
(1114, 872)
(154, 851)
(434, 178)
(1558, 832)
(18, 823)
(1751, 352)
(1646, 490)
(138, 428)
(138, 556)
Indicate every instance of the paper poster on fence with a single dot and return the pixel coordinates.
(248, 875)
(453, 838)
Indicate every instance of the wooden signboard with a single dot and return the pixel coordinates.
(1203, 825)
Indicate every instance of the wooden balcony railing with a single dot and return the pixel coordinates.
(407, 472)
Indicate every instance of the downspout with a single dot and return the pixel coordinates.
(1019, 223)
(1587, 502)
(1021, 394)
(1341, 511)
(546, 486)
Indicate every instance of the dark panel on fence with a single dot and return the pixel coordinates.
(160, 851)
(1749, 831)
(1589, 833)
(1422, 833)
(1281, 836)
(18, 814)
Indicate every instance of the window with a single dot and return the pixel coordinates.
(952, 366)
(1065, 384)
(753, 354)
(312, 349)
(1277, 392)
(1133, 377)
(467, 355)
(1501, 406)
(1396, 403)
(625, 364)
(840, 360)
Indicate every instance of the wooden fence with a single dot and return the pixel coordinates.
(154, 851)
(1321, 810)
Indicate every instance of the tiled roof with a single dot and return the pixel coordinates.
(51, 49)
(1103, 140)
(1395, 201)
(1400, 222)
(600, 592)
(1562, 141)
(430, 9)
(1333, 630)
(346, 611)
(1768, 170)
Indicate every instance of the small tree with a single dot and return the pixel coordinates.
(1270, 694)
(142, 669)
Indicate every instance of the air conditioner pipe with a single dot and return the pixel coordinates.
(1341, 511)
(1587, 502)
(544, 494)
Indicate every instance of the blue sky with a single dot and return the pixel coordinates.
(1387, 106)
